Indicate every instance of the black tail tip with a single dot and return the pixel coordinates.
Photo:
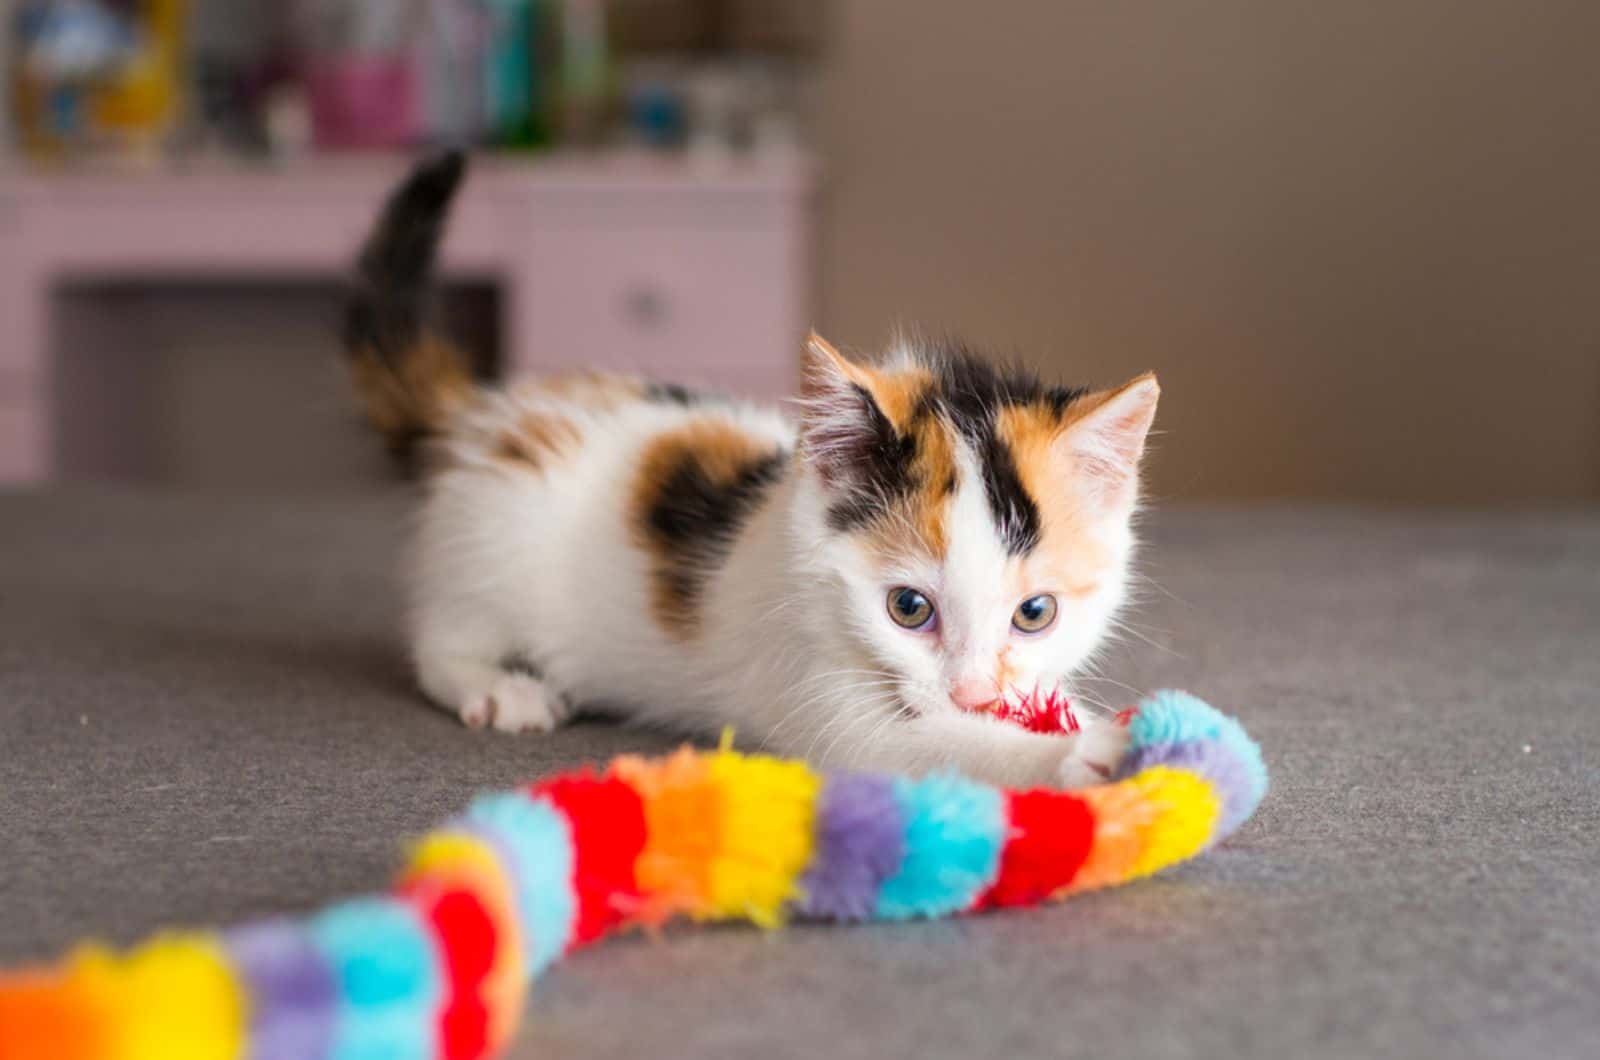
(434, 182)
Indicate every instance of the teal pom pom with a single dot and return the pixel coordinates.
(1170, 716)
(955, 831)
(390, 985)
(539, 840)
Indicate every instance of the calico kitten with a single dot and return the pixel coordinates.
(932, 541)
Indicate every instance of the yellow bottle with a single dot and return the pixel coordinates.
(141, 103)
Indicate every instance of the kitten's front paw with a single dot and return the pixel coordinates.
(516, 703)
(1097, 752)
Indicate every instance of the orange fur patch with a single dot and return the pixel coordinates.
(898, 394)
(416, 395)
(1032, 433)
(538, 437)
(595, 390)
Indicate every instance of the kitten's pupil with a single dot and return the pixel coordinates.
(909, 608)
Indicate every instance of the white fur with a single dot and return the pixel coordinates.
(796, 652)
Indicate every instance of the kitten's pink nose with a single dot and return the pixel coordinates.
(971, 693)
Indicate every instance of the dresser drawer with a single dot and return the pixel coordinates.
(716, 306)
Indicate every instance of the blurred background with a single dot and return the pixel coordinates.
(1358, 241)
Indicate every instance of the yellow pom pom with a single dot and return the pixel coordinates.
(465, 859)
(767, 810)
(173, 998)
(1188, 809)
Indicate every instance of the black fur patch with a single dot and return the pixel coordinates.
(672, 394)
(387, 302)
(968, 393)
(872, 466)
(695, 518)
(686, 397)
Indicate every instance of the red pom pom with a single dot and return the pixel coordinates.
(466, 933)
(464, 1029)
(1049, 837)
(608, 832)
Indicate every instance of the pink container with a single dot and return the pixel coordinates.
(363, 101)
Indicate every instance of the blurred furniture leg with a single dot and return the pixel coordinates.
(25, 441)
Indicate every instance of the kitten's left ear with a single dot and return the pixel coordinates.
(841, 423)
(1104, 440)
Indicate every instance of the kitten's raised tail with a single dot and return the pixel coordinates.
(408, 377)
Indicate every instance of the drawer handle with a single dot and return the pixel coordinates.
(645, 307)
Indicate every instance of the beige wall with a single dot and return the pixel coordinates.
(1359, 241)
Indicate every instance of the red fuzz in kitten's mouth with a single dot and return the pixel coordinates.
(1037, 712)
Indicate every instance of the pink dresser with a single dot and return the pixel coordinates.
(631, 263)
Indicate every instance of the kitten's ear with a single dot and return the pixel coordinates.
(1104, 441)
(841, 422)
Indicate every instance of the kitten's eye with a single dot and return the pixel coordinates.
(909, 608)
(1035, 613)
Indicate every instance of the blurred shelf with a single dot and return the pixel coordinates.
(662, 265)
(358, 174)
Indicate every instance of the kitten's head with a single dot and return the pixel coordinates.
(976, 521)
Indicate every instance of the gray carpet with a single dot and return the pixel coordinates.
(205, 716)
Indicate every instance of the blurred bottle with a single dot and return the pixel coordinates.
(515, 100)
(229, 45)
(655, 103)
(585, 72)
(718, 113)
(141, 104)
(451, 60)
(361, 72)
(67, 52)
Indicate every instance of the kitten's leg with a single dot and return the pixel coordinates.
(525, 700)
(504, 692)
(995, 752)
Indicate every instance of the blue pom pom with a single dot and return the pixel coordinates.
(955, 831)
(539, 840)
(1170, 716)
(390, 984)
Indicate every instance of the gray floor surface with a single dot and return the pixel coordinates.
(205, 716)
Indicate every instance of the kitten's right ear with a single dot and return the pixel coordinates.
(841, 424)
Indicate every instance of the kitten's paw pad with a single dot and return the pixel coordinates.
(516, 703)
(1097, 753)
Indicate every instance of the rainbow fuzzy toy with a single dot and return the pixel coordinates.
(439, 966)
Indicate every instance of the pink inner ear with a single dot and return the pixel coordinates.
(837, 428)
(840, 422)
(1108, 442)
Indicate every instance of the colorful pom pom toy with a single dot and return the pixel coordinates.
(439, 966)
